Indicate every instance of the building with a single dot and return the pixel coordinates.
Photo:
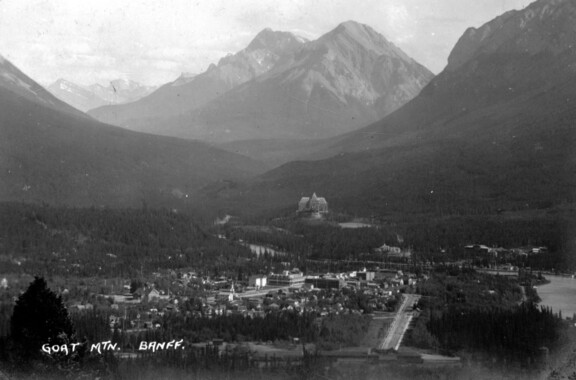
(286, 278)
(325, 282)
(258, 281)
(155, 295)
(478, 249)
(365, 275)
(313, 204)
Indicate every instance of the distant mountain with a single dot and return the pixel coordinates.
(16, 82)
(494, 131)
(186, 94)
(86, 98)
(344, 80)
(121, 91)
(348, 78)
(77, 96)
(50, 152)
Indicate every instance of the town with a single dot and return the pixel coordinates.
(235, 291)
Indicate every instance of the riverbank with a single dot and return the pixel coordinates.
(559, 293)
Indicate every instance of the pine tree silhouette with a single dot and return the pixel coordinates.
(39, 318)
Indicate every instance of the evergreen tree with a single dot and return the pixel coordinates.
(39, 318)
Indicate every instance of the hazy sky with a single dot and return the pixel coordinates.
(153, 41)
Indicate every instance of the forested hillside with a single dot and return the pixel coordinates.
(91, 241)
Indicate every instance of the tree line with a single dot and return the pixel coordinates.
(466, 311)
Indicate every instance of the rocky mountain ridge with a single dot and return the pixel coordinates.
(493, 131)
(346, 79)
(186, 94)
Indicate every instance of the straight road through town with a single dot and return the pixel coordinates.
(400, 324)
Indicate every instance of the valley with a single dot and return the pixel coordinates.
(143, 275)
(313, 202)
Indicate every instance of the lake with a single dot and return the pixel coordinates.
(559, 294)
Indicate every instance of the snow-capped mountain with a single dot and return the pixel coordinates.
(121, 91)
(86, 98)
(77, 96)
(186, 94)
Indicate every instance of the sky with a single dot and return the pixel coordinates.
(152, 41)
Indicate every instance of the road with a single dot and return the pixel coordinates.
(257, 293)
(400, 324)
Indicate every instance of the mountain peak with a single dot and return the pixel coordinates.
(265, 31)
(355, 30)
(63, 81)
(123, 84)
(543, 26)
(351, 33)
(184, 78)
(275, 41)
(352, 26)
(64, 84)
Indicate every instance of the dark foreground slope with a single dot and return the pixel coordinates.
(495, 130)
(49, 155)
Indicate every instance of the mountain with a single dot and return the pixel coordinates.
(85, 98)
(121, 91)
(493, 131)
(183, 79)
(16, 82)
(344, 80)
(185, 94)
(50, 152)
(75, 95)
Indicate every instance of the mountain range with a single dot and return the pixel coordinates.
(186, 94)
(85, 98)
(51, 152)
(283, 87)
(494, 131)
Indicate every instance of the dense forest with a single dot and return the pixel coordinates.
(314, 241)
(468, 312)
(109, 242)
(346, 329)
(434, 239)
(123, 242)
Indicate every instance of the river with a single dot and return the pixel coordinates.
(355, 225)
(559, 294)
